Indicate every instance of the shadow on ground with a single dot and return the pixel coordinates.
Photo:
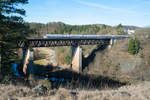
(86, 61)
(73, 80)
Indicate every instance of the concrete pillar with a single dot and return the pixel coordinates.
(112, 41)
(26, 56)
(77, 58)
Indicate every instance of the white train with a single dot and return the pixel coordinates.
(72, 36)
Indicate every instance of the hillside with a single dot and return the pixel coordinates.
(61, 28)
(126, 27)
(117, 62)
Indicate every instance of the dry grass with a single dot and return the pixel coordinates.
(140, 91)
(41, 62)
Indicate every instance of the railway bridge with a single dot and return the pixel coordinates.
(54, 40)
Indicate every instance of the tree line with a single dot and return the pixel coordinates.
(61, 28)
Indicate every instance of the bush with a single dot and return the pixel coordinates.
(67, 59)
(133, 47)
(61, 50)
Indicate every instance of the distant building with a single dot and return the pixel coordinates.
(130, 31)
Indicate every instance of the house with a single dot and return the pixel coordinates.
(130, 31)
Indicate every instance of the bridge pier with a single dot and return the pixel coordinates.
(26, 57)
(111, 43)
(76, 58)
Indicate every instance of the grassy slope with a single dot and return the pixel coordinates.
(117, 62)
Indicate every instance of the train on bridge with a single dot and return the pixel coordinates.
(76, 36)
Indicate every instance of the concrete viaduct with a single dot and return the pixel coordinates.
(53, 40)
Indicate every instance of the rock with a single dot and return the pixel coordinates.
(125, 93)
(121, 93)
(52, 92)
(12, 99)
(74, 95)
(45, 83)
(39, 90)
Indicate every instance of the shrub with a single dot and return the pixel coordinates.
(103, 26)
(67, 59)
(133, 47)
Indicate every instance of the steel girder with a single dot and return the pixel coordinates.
(60, 42)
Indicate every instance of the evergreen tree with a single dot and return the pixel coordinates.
(119, 26)
(120, 30)
(137, 47)
(133, 47)
(11, 30)
(103, 26)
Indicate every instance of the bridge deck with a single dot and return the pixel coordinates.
(68, 40)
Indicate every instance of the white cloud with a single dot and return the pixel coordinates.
(109, 8)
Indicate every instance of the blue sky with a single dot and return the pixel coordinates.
(79, 12)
